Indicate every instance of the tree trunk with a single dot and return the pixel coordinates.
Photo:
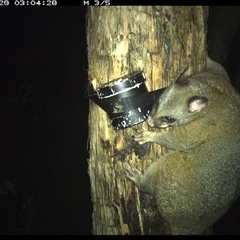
(161, 41)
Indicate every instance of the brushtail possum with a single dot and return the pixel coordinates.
(196, 182)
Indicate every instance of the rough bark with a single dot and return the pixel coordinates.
(162, 41)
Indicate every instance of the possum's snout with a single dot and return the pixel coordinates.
(150, 121)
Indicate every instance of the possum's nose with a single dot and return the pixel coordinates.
(150, 121)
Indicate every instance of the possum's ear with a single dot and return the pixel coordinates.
(183, 78)
(196, 104)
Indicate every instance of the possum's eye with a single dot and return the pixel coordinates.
(168, 119)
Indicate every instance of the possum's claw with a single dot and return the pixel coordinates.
(142, 136)
(133, 173)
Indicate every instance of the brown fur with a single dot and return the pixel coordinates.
(196, 182)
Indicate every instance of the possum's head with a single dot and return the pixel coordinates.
(179, 104)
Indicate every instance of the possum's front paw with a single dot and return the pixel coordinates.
(133, 173)
(143, 136)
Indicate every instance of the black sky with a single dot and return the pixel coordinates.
(43, 132)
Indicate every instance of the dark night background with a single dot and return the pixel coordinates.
(43, 62)
(43, 129)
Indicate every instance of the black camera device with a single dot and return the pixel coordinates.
(126, 99)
